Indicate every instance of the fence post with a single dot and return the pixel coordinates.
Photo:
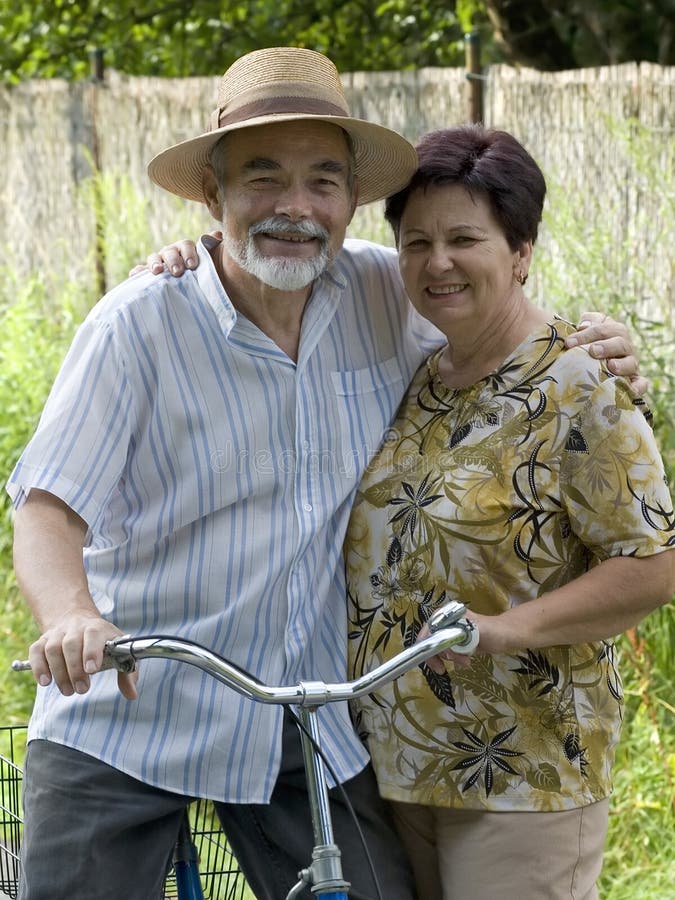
(97, 65)
(97, 80)
(474, 75)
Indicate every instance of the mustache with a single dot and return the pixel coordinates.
(282, 225)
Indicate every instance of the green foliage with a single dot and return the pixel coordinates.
(54, 38)
(570, 34)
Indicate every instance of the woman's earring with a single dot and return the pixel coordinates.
(521, 277)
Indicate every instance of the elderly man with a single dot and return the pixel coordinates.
(192, 474)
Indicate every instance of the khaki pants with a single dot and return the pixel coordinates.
(475, 855)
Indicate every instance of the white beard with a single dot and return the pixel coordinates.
(282, 273)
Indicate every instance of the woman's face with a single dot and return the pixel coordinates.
(456, 264)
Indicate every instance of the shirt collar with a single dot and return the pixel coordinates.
(324, 289)
(212, 286)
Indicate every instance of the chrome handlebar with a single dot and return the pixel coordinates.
(449, 631)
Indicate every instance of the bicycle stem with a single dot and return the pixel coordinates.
(325, 873)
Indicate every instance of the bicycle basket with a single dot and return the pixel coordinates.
(218, 871)
(12, 743)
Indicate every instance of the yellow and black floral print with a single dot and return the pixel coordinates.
(494, 495)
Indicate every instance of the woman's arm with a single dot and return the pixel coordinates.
(612, 597)
(602, 603)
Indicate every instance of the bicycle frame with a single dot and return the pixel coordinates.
(324, 874)
(186, 864)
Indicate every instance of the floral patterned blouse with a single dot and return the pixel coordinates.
(493, 495)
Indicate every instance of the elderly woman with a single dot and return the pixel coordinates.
(520, 478)
(515, 466)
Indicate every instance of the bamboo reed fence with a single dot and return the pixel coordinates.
(54, 135)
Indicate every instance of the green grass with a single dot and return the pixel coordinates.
(35, 330)
(639, 859)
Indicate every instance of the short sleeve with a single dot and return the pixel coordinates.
(79, 449)
(613, 482)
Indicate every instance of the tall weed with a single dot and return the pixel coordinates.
(602, 251)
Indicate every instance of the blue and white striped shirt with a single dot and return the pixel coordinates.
(216, 477)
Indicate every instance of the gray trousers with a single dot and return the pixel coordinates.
(94, 833)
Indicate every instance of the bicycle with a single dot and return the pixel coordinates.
(324, 874)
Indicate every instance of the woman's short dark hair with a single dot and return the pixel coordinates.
(484, 161)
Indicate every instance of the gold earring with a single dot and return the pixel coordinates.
(521, 277)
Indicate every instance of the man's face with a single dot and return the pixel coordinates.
(287, 199)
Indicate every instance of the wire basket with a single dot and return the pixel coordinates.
(218, 870)
(12, 742)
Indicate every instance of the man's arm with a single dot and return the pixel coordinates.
(603, 336)
(48, 541)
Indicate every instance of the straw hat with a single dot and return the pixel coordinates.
(284, 84)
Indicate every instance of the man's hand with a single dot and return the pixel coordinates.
(174, 258)
(607, 339)
(48, 541)
(72, 650)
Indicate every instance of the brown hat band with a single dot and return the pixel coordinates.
(275, 106)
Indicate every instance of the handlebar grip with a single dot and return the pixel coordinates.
(472, 639)
(452, 613)
(21, 665)
(124, 665)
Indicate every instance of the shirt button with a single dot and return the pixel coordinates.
(306, 445)
(307, 507)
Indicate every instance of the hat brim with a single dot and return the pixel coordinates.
(384, 161)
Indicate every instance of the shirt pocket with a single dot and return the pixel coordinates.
(367, 401)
